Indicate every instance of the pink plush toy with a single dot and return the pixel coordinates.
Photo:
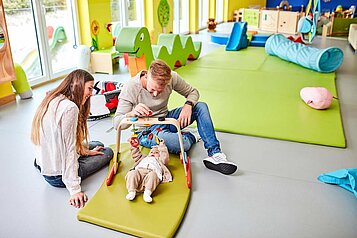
(316, 97)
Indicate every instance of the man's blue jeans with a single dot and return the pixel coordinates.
(201, 115)
(87, 165)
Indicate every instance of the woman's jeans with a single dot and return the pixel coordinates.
(87, 165)
(201, 115)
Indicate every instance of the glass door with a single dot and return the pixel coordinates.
(202, 14)
(60, 32)
(219, 11)
(126, 13)
(184, 11)
(42, 35)
(135, 12)
(23, 37)
(181, 10)
(118, 17)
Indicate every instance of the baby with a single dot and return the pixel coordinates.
(148, 172)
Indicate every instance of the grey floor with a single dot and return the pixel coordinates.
(274, 194)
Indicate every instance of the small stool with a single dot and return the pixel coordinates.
(102, 60)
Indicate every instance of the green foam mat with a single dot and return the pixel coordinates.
(248, 59)
(260, 96)
(161, 218)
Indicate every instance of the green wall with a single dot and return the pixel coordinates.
(89, 10)
(99, 10)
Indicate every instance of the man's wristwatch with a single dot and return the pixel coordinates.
(189, 103)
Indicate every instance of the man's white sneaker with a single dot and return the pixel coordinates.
(219, 162)
(193, 131)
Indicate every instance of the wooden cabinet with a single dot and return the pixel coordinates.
(251, 16)
(269, 20)
(7, 71)
(288, 22)
(272, 20)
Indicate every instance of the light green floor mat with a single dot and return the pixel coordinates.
(161, 218)
(249, 59)
(260, 96)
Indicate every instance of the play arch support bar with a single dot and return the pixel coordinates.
(150, 121)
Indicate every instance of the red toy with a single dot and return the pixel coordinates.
(134, 141)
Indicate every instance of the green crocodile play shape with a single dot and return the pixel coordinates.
(171, 48)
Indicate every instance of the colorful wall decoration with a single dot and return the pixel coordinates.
(326, 5)
(163, 14)
(156, 11)
(94, 15)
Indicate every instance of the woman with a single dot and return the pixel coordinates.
(60, 133)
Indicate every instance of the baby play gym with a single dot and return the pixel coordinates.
(178, 118)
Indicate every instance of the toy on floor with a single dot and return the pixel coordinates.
(134, 43)
(152, 121)
(298, 39)
(211, 25)
(258, 40)
(344, 178)
(307, 25)
(98, 110)
(220, 39)
(148, 171)
(21, 85)
(321, 60)
(104, 100)
(111, 91)
(238, 37)
(316, 97)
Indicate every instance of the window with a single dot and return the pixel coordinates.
(202, 13)
(219, 11)
(42, 35)
(20, 21)
(181, 11)
(135, 12)
(126, 13)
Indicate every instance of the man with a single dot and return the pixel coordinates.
(147, 94)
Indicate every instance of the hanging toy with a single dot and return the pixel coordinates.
(307, 25)
(134, 141)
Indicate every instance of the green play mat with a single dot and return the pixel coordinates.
(249, 92)
(161, 218)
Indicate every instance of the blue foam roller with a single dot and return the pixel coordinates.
(321, 60)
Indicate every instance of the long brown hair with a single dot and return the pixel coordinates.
(72, 87)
